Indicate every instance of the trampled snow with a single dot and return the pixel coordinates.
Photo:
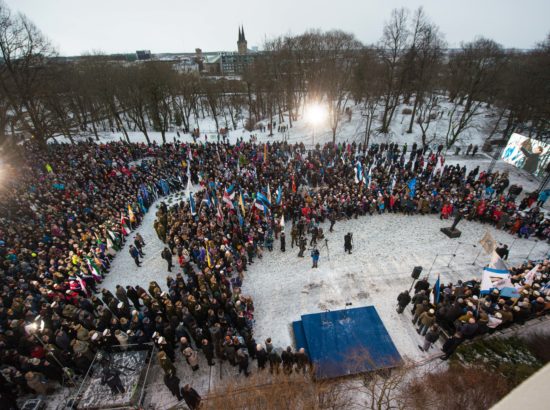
(386, 248)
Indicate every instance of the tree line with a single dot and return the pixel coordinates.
(43, 95)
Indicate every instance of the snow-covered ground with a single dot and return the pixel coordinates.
(386, 248)
(353, 130)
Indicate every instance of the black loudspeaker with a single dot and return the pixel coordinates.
(416, 272)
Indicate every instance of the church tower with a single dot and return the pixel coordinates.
(241, 43)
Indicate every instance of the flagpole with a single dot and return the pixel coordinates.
(433, 263)
(479, 253)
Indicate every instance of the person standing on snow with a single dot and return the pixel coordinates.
(134, 253)
(167, 256)
(403, 300)
(315, 257)
(348, 238)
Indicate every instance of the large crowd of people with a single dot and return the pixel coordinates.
(67, 209)
(463, 311)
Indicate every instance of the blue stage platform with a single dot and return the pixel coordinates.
(346, 342)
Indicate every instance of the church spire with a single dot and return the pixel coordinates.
(241, 43)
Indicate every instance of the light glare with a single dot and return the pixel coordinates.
(315, 113)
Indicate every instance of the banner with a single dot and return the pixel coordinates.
(488, 243)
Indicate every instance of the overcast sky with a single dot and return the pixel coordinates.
(77, 26)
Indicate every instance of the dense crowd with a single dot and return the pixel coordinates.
(67, 210)
(464, 311)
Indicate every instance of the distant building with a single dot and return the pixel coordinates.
(143, 54)
(231, 63)
(235, 63)
(186, 65)
(212, 64)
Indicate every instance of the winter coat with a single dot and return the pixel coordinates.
(39, 383)
(165, 363)
(404, 299)
(427, 319)
(432, 336)
(191, 356)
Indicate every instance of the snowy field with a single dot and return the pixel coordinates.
(353, 130)
(386, 248)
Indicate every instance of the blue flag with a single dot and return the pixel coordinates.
(412, 186)
(437, 287)
(263, 199)
(279, 195)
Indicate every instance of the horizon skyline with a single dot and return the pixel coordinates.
(178, 28)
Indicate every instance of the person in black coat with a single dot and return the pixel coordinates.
(503, 252)
(283, 242)
(261, 356)
(208, 351)
(403, 300)
(348, 242)
(191, 397)
(422, 284)
(173, 383)
(288, 360)
(133, 296)
(167, 256)
(451, 344)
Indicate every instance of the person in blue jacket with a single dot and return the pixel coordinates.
(315, 257)
(543, 196)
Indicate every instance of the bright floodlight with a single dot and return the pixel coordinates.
(315, 113)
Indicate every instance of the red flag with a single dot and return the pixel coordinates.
(293, 184)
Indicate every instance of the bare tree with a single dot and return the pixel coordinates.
(392, 49)
(25, 55)
(473, 74)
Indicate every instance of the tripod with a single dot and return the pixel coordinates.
(325, 245)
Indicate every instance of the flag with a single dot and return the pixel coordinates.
(495, 279)
(207, 199)
(192, 204)
(488, 243)
(412, 186)
(393, 180)
(437, 289)
(131, 214)
(293, 184)
(530, 276)
(93, 269)
(241, 203)
(123, 225)
(228, 195)
(49, 168)
(208, 257)
(241, 220)
(283, 221)
(263, 199)
(219, 212)
(268, 193)
(265, 153)
(497, 263)
(358, 172)
(279, 195)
